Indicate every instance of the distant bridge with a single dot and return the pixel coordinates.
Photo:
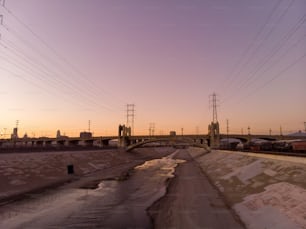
(56, 142)
(202, 138)
(171, 140)
(104, 141)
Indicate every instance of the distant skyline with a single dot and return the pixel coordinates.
(63, 63)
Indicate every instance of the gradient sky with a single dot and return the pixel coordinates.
(64, 62)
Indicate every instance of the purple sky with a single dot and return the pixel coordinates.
(93, 57)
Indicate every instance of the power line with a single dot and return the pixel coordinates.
(277, 61)
(288, 67)
(33, 81)
(275, 50)
(267, 35)
(87, 79)
(230, 79)
(55, 76)
(52, 80)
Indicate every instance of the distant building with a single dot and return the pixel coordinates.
(172, 133)
(85, 135)
(25, 136)
(14, 135)
(59, 136)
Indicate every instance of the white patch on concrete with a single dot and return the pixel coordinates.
(266, 217)
(246, 172)
(17, 182)
(281, 205)
(270, 172)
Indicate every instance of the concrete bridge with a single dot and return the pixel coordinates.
(202, 138)
(170, 140)
(45, 142)
(198, 140)
(126, 141)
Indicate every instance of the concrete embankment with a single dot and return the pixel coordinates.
(266, 191)
(191, 201)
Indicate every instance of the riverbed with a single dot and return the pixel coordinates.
(154, 188)
(117, 203)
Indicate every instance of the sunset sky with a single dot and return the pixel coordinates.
(64, 62)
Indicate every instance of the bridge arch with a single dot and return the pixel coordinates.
(187, 141)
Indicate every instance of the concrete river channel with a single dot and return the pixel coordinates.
(111, 204)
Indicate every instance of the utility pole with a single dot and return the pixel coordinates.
(249, 133)
(182, 131)
(130, 115)
(241, 131)
(151, 129)
(227, 130)
(270, 131)
(88, 125)
(197, 130)
(280, 131)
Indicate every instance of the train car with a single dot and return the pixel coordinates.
(260, 145)
(282, 146)
(266, 146)
(299, 146)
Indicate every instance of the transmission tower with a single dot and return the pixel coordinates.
(130, 114)
(151, 129)
(213, 104)
(213, 128)
(270, 131)
(227, 130)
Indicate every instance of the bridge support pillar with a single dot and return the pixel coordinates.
(214, 135)
(123, 136)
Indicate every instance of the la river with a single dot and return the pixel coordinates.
(152, 188)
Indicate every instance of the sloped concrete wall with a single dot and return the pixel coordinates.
(266, 191)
